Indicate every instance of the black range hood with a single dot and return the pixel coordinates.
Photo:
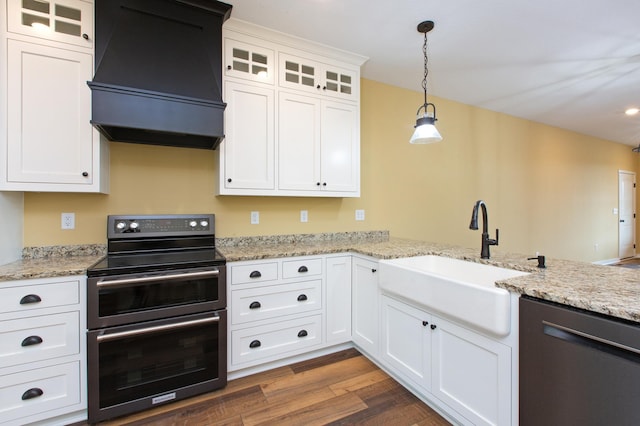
(158, 71)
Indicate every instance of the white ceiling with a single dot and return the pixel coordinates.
(574, 64)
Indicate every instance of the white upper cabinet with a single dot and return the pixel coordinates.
(318, 78)
(249, 127)
(249, 62)
(49, 143)
(310, 144)
(66, 21)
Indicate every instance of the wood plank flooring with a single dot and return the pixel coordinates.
(343, 388)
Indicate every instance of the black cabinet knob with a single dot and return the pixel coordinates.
(318, 86)
(255, 305)
(255, 344)
(229, 67)
(303, 269)
(31, 340)
(255, 274)
(32, 393)
(85, 174)
(433, 326)
(374, 270)
(302, 298)
(30, 298)
(229, 180)
(324, 183)
(425, 323)
(317, 183)
(302, 333)
(85, 36)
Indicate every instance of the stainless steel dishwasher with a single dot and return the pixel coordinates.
(577, 367)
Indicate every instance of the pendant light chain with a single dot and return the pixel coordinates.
(426, 70)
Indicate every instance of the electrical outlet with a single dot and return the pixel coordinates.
(359, 214)
(68, 220)
(304, 216)
(255, 218)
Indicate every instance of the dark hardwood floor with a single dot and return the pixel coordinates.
(343, 388)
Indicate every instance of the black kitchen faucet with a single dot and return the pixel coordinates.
(486, 241)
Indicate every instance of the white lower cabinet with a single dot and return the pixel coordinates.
(365, 309)
(276, 309)
(43, 351)
(466, 371)
(338, 297)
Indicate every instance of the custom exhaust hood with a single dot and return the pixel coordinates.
(158, 71)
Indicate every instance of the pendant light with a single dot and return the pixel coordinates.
(426, 131)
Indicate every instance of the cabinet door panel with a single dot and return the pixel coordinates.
(472, 374)
(340, 147)
(298, 142)
(338, 284)
(248, 150)
(50, 140)
(406, 341)
(67, 21)
(365, 305)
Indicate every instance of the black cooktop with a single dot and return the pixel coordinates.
(154, 262)
(150, 243)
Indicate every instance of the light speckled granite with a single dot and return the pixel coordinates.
(52, 261)
(608, 290)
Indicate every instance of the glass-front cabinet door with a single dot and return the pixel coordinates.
(317, 77)
(66, 21)
(249, 62)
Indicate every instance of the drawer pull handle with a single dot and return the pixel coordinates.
(32, 393)
(30, 298)
(303, 269)
(302, 333)
(255, 344)
(255, 305)
(32, 340)
(302, 298)
(255, 274)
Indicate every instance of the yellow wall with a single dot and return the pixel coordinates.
(547, 189)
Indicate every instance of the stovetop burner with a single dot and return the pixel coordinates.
(145, 243)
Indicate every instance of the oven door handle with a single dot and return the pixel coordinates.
(140, 331)
(141, 280)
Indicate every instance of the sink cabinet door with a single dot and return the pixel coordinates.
(406, 341)
(471, 373)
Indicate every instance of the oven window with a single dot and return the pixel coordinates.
(164, 292)
(154, 362)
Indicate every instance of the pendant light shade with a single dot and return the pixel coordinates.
(426, 131)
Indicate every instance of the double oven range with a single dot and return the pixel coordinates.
(156, 313)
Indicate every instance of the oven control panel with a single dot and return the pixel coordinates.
(159, 225)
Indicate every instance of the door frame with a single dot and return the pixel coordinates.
(633, 207)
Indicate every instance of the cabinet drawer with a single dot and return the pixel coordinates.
(275, 340)
(242, 274)
(51, 388)
(301, 268)
(38, 296)
(38, 338)
(260, 303)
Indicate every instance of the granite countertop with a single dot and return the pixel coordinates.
(607, 290)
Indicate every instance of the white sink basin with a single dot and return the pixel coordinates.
(462, 290)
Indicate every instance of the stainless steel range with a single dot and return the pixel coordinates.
(156, 313)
